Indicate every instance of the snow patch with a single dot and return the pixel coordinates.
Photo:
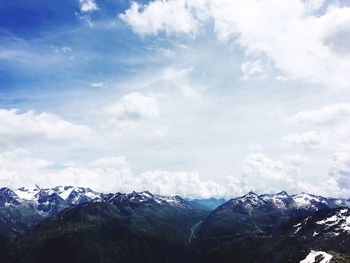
(65, 193)
(311, 257)
(305, 200)
(26, 194)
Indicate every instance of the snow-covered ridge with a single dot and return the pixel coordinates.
(64, 192)
(51, 200)
(284, 201)
(48, 200)
(339, 222)
(57, 198)
(147, 197)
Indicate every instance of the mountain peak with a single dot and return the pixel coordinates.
(251, 193)
(7, 196)
(282, 193)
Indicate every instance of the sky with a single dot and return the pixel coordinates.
(198, 98)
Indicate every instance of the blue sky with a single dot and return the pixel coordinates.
(193, 97)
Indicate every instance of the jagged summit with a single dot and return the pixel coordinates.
(8, 197)
(282, 193)
(251, 193)
(145, 197)
(283, 201)
(70, 213)
(51, 200)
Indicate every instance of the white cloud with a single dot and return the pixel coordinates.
(340, 170)
(112, 174)
(254, 69)
(326, 115)
(188, 184)
(308, 140)
(16, 126)
(61, 49)
(19, 167)
(267, 170)
(304, 40)
(297, 160)
(262, 174)
(122, 178)
(88, 6)
(132, 111)
(97, 85)
(265, 175)
(168, 16)
(180, 79)
(332, 124)
(134, 106)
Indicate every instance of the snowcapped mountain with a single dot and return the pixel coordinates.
(269, 227)
(133, 227)
(47, 201)
(325, 224)
(8, 197)
(25, 207)
(68, 193)
(146, 198)
(259, 217)
(274, 228)
(53, 200)
(284, 202)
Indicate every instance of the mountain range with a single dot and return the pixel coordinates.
(76, 224)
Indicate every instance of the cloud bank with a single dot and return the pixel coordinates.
(303, 40)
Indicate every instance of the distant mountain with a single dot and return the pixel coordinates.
(15, 217)
(245, 228)
(52, 200)
(208, 203)
(75, 224)
(8, 197)
(135, 227)
(146, 199)
(254, 213)
(23, 208)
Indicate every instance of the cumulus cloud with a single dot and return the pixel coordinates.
(269, 174)
(122, 178)
(340, 170)
(263, 174)
(15, 126)
(132, 111)
(179, 78)
(302, 39)
(308, 140)
(188, 184)
(260, 174)
(332, 124)
(297, 160)
(326, 115)
(134, 106)
(19, 167)
(168, 16)
(254, 69)
(88, 6)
